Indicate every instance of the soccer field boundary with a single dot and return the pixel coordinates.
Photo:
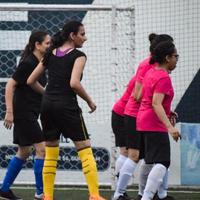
(67, 188)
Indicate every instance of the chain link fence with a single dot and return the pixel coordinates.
(110, 54)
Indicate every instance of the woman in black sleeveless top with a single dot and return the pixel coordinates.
(22, 110)
(60, 111)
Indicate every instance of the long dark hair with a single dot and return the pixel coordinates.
(36, 36)
(162, 50)
(61, 37)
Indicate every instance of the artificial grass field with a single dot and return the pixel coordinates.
(27, 193)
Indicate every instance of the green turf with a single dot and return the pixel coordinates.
(76, 194)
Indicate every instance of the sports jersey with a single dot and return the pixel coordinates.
(119, 106)
(156, 81)
(132, 105)
(26, 102)
(59, 76)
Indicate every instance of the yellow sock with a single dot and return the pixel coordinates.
(90, 170)
(49, 171)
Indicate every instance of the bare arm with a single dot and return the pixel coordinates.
(76, 84)
(137, 91)
(9, 91)
(32, 79)
(160, 112)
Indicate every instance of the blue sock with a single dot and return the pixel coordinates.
(14, 167)
(38, 167)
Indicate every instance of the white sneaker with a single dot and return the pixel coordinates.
(38, 197)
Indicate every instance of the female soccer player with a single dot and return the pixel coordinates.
(153, 116)
(60, 110)
(132, 137)
(118, 128)
(22, 109)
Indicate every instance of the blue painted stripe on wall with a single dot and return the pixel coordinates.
(49, 1)
(61, 1)
(50, 21)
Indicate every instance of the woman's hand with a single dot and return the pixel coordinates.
(174, 132)
(92, 106)
(8, 121)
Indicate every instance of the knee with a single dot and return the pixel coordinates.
(133, 154)
(23, 153)
(82, 144)
(124, 151)
(40, 152)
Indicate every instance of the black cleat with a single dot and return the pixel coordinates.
(121, 197)
(166, 198)
(8, 195)
(124, 197)
(139, 197)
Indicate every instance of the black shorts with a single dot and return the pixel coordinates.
(27, 132)
(58, 117)
(133, 136)
(117, 123)
(155, 147)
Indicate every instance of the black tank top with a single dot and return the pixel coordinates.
(59, 74)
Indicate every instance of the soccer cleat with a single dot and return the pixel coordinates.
(38, 197)
(121, 197)
(166, 198)
(139, 197)
(96, 198)
(124, 197)
(9, 195)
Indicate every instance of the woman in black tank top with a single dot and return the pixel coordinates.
(60, 111)
(22, 110)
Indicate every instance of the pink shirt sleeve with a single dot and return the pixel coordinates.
(163, 86)
(143, 68)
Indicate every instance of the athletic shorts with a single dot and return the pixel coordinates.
(117, 123)
(156, 147)
(133, 136)
(58, 117)
(27, 132)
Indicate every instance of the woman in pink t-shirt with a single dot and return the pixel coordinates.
(153, 117)
(130, 137)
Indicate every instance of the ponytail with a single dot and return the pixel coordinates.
(57, 41)
(157, 39)
(152, 36)
(27, 51)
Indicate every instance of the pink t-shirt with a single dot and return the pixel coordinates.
(132, 106)
(121, 103)
(155, 81)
